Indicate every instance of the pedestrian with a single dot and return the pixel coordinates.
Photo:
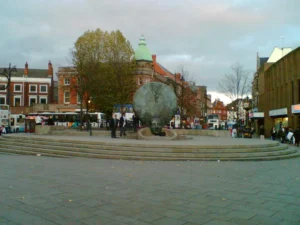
(38, 120)
(123, 124)
(234, 132)
(113, 126)
(262, 132)
(281, 134)
(134, 122)
(273, 133)
(297, 136)
(2, 130)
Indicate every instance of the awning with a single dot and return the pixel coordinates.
(278, 112)
(295, 109)
(256, 115)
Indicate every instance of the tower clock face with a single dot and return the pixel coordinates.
(246, 105)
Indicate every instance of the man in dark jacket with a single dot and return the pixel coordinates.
(297, 136)
(123, 124)
(113, 126)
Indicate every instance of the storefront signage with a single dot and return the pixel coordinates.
(256, 115)
(296, 108)
(278, 112)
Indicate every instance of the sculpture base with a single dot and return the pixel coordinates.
(145, 134)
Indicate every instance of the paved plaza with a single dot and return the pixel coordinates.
(46, 191)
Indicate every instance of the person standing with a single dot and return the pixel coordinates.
(297, 136)
(262, 132)
(113, 126)
(123, 124)
(38, 120)
(273, 133)
(281, 134)
(134, 122)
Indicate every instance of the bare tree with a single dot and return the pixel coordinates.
(236, 86)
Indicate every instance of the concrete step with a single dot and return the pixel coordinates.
(136, 151)
(96, 152)
(141, 151)
(169, 144)
(54, 153)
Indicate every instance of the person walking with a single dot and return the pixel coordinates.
(134, 122)
(123, 124)
(273, 133)
(297, 136)
(262, 132)
(281, 134)
(113, 126)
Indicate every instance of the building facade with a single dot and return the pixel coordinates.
(28, 87)
(148, 69)
(282, 92)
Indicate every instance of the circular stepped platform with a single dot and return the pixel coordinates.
(199, 148)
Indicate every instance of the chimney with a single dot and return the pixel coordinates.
(177, 76)
(26, 70)
(154, 58)
(50, 69)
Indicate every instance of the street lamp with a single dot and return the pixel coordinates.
(7, 73)
(247, 107)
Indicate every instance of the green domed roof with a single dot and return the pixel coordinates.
(142, 52)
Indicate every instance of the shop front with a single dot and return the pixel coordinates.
(257, 119)
(280, 118)
(296, 112)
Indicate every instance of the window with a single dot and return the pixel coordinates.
(78, 98)
(2, 99)
(67, 97)
(32, 100)
(17, 100)
(67, 81)
(139, 82)
(33, 88)
(43, 100)
(3, 87)
(17, 88)
(43, 89)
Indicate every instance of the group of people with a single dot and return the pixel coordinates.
(286, 133)
(122, 123)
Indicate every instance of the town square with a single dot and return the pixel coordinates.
(150, 112)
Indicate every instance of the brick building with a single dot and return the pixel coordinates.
(148, 69)
(28, 87)
(220, 109)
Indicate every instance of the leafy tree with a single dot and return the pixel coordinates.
(104, 67)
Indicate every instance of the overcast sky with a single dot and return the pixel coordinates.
(204, 36)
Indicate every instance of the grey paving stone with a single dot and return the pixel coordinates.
(219, 222)
(174, 214)
(197, 218)
(240, 221)
(154, 191)
(97, 220)
(72, 213)
(292, 216)
(168, 221)
(289, 222)
(242, 214)
(266, 220)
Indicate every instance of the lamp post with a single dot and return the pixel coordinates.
(247, 107)
(7, 73)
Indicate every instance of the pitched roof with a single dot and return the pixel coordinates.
(35, 73)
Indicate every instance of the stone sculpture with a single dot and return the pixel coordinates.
(155, 104)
